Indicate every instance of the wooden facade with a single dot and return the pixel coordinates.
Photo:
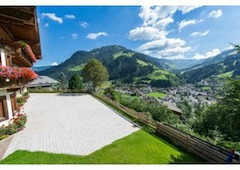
(18, 30)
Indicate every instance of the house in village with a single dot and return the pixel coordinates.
(19, 49)
(171, 106)
(43, 82)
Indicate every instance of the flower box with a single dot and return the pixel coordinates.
(10, 76)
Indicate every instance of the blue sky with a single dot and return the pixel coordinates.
(173, 32)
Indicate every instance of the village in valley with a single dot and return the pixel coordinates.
(203, 93)
(111, 104)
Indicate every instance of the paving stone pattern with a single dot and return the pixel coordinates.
(75, 124)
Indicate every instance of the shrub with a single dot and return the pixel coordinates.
(11, 129)
(20, 120)
(2, 130)
(26, 94)
(3, 137)
(16, 124)
(154, 110)
(21, 100)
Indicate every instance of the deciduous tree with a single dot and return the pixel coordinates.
(95, 73)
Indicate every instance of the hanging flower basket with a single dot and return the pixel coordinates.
(28, 51)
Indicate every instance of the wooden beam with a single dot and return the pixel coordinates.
(10, 43)
(5, 28)
(26, 9)
(31, 42)
(16, 14)
(6, 21)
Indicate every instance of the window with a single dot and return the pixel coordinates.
(3, 108)
(14, 102)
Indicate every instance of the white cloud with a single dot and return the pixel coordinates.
(146, 33)
(38, 19)
(153, 45)
(201, 34)
(215, 14)
(165, 47)
(185, 23)
(152, 14)
(161, 24)
(53, 17)
(208, 54)
(174, 51)
(94, 36)
(74, 36)
(54, 64)
(46, 25)
(153, 30)
(84, 24)
(187, 9)
(175, 57)
(70, 17)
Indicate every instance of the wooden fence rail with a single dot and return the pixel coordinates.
(192, 144)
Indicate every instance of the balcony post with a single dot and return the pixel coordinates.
(3, 57)
(9, 106)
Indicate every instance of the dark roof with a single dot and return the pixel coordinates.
(172, 107)
(42, 81)
(20, 23)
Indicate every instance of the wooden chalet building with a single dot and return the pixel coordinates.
(19, 48)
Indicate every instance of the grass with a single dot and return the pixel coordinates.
(77, 68)
(159, 75)
(225, 75)
(206, 88)
(142, 63)
(106, 84)
(121, 53)
(157, 95)
(129, 96)
(137, 148)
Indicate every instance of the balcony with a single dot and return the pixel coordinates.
(19, 53)
(14, 78)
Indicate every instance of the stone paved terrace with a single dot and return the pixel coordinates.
(75, 124)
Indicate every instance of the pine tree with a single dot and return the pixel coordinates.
(75, 82)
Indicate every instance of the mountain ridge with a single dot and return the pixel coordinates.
(123, 64)
(225, 64)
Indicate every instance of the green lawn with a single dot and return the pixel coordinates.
(137, 148)
(206, 88)
(157, 94)
(158, 74)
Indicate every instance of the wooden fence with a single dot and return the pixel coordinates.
(192, 144)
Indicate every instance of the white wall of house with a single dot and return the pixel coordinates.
(9, 106)
(21, 91)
